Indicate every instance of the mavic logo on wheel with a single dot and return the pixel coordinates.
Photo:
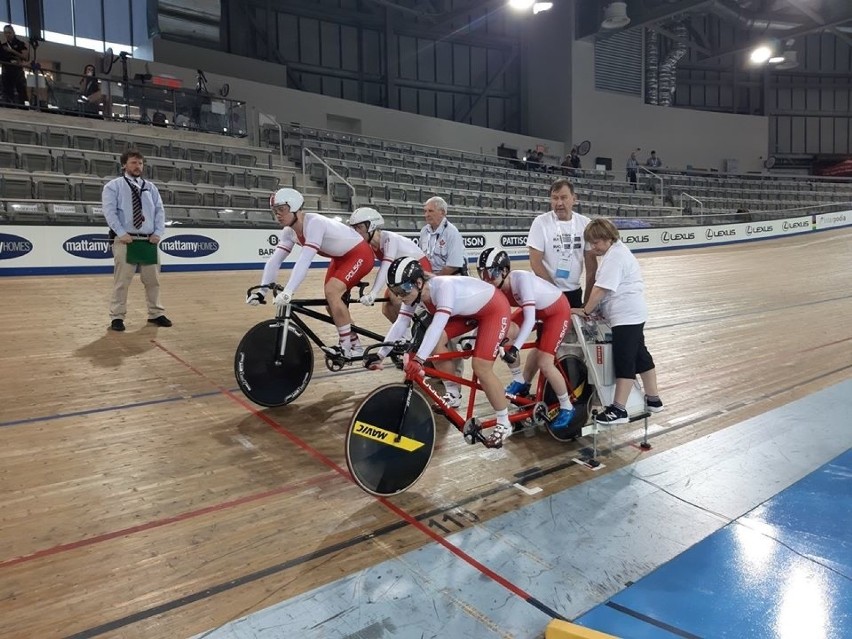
(386, 437)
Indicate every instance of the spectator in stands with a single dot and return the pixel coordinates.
(653, 162)
(13, 55)
(134, 212)
(387, 246)
(571, 163)
(90, 89)
(632, 169)
(351, 260)
(618, 295)
(558, 253)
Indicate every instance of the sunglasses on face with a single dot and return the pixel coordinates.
(401, 290)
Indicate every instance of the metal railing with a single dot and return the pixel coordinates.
(134, 101)
(694, 199)
(657, 177)
(305, 152)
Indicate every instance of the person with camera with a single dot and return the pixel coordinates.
(539, 301)
(14, 54)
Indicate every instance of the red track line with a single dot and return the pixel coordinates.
(402, 514)
(162, 522)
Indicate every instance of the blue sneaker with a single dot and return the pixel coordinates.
(519, 389)
(562, 419)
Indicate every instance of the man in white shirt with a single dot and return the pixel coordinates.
(558, 252)
(441, 241)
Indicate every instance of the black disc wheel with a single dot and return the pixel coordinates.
(390, 440)
(266, 376)
(574, 369)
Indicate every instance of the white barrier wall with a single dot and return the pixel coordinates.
(44, 250)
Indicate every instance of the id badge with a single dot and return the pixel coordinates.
(563, 268)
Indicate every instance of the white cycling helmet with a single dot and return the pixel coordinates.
(287, 196)
(366, 215)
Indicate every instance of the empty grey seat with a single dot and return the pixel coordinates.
(16, 187)
(69, 213)
(72, 163)
(221, 157)
(218, 177)
(87, 190)
(268, 182)
(243, 201)
(8, 158)
(233, 218)
(261, 218)
(245, 159)
(163, 172)
(87, 142)
(148, 149)
(185, 197)
(205, 216)
(193, 175)
(36, 160)
(56, 139)
(340, 192)
(172, 151)
(245, 180)
(177, 215)
(21, 134)
(197, 155)
(27, 212)
(215, 198)
(104, 168)
(52, 189)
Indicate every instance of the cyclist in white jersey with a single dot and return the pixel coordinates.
(539, 301)
(351, 261)
(452, 301)
(387, 246)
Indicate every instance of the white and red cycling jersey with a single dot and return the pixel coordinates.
(539, 300)
(458, 305)
(351, 257)
(391, 246)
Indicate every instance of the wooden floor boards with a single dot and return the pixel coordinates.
(143, 496)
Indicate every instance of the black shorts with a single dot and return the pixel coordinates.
(629, 355)
(575, 298)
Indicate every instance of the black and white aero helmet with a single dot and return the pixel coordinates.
(492, 262)
(404, 271)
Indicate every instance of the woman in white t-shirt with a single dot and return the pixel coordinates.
(619, 295)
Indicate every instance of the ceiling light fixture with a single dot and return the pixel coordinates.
(521, 5)
(538, 7)
(615, 16)
(760, 54)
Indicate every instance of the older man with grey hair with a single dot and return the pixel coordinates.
(444, 248)
(441, 241)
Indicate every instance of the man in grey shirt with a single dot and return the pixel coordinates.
(441, 241)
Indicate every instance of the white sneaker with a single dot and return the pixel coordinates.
(498, 435)
(353, 351)
(449, 400)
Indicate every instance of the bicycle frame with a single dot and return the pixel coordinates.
(528, 405)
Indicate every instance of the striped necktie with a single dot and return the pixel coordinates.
(136, 195)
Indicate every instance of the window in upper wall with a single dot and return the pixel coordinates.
(94, 24)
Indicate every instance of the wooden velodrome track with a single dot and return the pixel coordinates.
(144, 497)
